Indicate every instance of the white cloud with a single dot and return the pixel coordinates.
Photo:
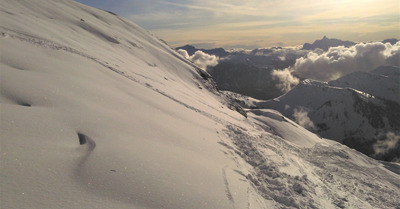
(285, 78)
(301, 117)
(390, 142)
(338, 61)
(183, 53)
(200, 58)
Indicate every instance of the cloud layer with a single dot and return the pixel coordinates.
(285, 79)
(200, 58)
(301, 117)
(338, 61)
(384, 146)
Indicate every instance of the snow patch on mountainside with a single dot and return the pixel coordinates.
(383, 82)
(347, 115)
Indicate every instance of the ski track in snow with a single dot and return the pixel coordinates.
(338, 185)
(227, 190)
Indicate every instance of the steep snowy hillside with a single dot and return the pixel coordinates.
(349, 116)
(98, 113)
(383, 82)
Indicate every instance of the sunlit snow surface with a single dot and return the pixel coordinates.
(98, 113)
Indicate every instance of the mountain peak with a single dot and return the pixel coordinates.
(325, 43)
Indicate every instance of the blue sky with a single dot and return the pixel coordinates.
(259, 23)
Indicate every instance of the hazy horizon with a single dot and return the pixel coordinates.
(258, 23)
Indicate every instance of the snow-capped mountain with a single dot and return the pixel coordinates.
(382, 82)
(358, 110)
(326, 43)
(98, 113)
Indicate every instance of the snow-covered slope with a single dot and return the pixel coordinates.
(98, 113)
(69, 72)
(382, 82)
(347, 115)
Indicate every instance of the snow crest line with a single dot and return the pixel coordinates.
(55, 46)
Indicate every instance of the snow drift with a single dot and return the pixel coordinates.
(98, 113)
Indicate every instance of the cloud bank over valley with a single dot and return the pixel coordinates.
(339, 61)
(257, 69)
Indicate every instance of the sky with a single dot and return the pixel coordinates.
(259, 23)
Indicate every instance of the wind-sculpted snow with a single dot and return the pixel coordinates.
(98, 113)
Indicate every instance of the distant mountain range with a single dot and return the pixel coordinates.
(220, 52)
(391, 41)
(248, 72)
(325, 43)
